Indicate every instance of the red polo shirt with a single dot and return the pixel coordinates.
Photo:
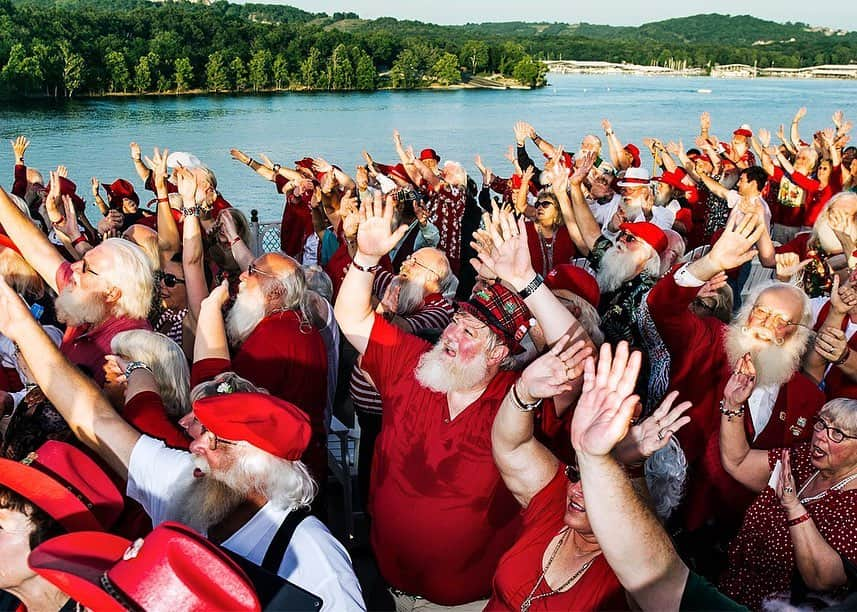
(442, 516)
(85, 345)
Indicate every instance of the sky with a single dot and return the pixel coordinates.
(839, 15)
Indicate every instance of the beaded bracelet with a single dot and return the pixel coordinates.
(731, 413)
(797, 521)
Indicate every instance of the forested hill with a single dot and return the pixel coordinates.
(67, 47)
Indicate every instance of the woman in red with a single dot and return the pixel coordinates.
(556, 563)
(804, 521)
(547, 237)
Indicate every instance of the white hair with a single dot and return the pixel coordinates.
(131, 273)
(666, 472)
(168, 363)
(843, 412)
(284, 483)
(317, 280)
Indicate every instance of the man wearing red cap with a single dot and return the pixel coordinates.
(772, 328)
(441, 515)
(623, 157)
(239, 483)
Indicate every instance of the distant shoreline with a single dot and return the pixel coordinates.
(727, 71)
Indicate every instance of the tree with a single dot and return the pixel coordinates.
(117, 71)
(475, 53)
(529, 72)
(445, 70)
(260, 69)
(22, 73)
(183, 74)
(341, 70)
(311, 69)
(216, 77)
(238, 70)
(281, 71)
(72, 70)
(143, 75)
(406, 72)
(365, 74)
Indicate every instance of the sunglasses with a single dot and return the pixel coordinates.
(572, 473)
(171, 280)
(543, 204)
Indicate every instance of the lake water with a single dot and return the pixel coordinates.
(91, 136)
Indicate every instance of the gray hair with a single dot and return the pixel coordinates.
(317, 280)
(806, 308)
(224, 384)
(589, 319)
(284, 483)
(295, 296)
(168, 363)
(132, 274)
(843, 412)
(666, 472)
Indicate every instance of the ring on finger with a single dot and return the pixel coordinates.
(788, 490)
(660, 434)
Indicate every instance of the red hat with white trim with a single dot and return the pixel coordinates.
(573, 278)
(635, 177)
(172, 568)
(648, 233)
(744, 131)
(265, 421)
(634, 150)
(66, 484)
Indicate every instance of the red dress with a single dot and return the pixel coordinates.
(761, 558)
(520, 568)
(547, 254)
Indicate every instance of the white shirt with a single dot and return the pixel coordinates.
(733, 199)
(662, 216)
(159, 477)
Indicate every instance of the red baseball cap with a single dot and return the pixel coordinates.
(398, 171)
(68, 188)
(118, 189)
(172, 568)
(647, 232)
(573, 278)
(66, 484)
(429, 154)
(265, 421)
(673, 179)
(503, 311)
(635, 154)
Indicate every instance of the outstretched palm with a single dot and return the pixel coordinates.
(374, 235)
(507, 254)
(603, 414)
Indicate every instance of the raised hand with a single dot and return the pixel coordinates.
(764, 137)
(838, 118)
(800, 114)
(781, 133)
(239, 155)
(486, 172)
(553, 373)
(319, 164)
(828, 135)
(603, 414)
(705, 121)
(218, 297)
(831, 344)
(68, 223)
(674, 149)
(62, 171)
(654, 433)
(14, 314)
(158, 164)
(510, 155)
(508, 255)
(374, 236)
(741, 384)
(522, 130)
(136, 154)
(581, 170)
(789, 264)
(186, 183)
(842, 299)
(735, 246)
(605, 124)
(93, 182)
(712, 285)
(266, 160)
(19, 147)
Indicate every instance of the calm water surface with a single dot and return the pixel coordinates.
(91, 136)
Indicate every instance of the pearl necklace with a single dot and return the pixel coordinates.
(837, 487)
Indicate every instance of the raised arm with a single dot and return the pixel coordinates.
(795, 131)
(524, 463)
(733, 249)
(193, 260)
(211, 342)
(261, 169)
(80, 402)
(137, 157)
(34, 245)
(642, 556)
(353, 308)
(240, 251)
(579, 220)
(169, 241)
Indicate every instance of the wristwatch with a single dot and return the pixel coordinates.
(191, 211)
(531, 287)
(276, 167)
(136, 365)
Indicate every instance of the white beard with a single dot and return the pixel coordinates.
(208, 500)
(77, 307)
(775, 364)
(411, 295)
(616, 268)
(244, 316)
(826, 237)
(441, 373)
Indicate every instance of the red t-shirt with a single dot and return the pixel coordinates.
(85, 346)
(145, 411)
(442, 516)
(520, 568)
(296, 224)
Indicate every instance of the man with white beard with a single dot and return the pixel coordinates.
(275, 345)
(242, 484)
(413, 301)
(772, 328)
(108, 291)
(441, 516)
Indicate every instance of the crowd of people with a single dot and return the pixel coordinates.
(573, 390)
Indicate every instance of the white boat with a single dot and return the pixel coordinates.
(703, 91)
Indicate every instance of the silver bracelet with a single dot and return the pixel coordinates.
(136, 365)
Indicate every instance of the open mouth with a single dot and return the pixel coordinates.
(817, 453)
(198, 473)
(573, 505)
(449, 351)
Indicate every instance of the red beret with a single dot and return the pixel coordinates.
(265, 421)
(743, 131)
(173, 567)
(118, 189)
(635, 154)
(648, 232)
(503, 311)
(685, 217)
(573, 278)
(429, 154)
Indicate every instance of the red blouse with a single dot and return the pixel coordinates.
(520, 568)
(761, 558)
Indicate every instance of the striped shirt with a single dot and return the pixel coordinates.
(434, 313)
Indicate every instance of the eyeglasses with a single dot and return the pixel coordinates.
(413, 260)
(86, 268)
(834, 434)
(776, 321)
(213, 440)
(626, 237)
(171, 280)
(253, 269)
(543, 204)
(572, 473)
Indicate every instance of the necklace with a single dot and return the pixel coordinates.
(525, 606)
(837, 487)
